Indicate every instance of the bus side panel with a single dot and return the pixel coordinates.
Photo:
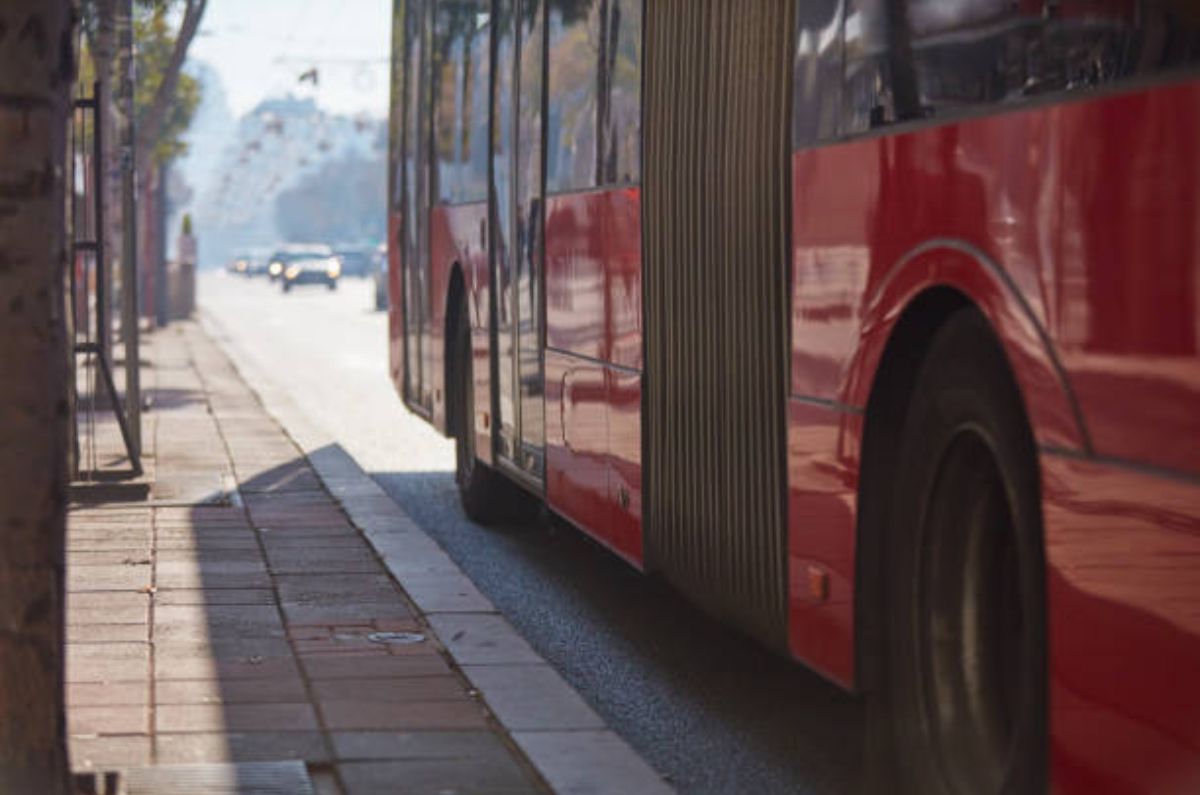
(594, 351)
(823, 465)
(1124, 596)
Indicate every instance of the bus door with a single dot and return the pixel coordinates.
(516, 254)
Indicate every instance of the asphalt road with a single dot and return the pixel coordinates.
(709, 709)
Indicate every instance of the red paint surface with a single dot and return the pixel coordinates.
(1074, 229)
(593, 389)
(1122, 549)
(823, 462)
(594, 275)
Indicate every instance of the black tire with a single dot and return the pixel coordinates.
(286, 286)
(962, 701)
(488, 498)
(332, 284)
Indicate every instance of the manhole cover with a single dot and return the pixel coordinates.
(396, 638)
(245, 778)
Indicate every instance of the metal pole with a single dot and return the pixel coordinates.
(160, 248)
(103, 324)
(129, 269)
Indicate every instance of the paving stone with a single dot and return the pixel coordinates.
(231, 691)
(327, 589)
(349, 667)
(461, 745)
(435, 777)
(288, 777)
(214, 615)
(234, 717)
(229, 638)
(463, 713)
(209, 578)
(240, 747)
(108, 578)
(445, 593)
(214, 596)
(96, 694)
(107, 600)
(481, 639)
(82, 558)
(107, 753)
(107, 662)
(596, 762)
(238, 668)
(108, 719)
(224, 648)
(356, 559)
(391, 691)
(97, 633)
(338, 613)
(247, 544)
(532, 697)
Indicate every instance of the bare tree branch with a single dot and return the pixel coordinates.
(150, 125)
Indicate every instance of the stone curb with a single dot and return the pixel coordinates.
(569, 745)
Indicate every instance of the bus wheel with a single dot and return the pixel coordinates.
(487, 497)
(964, 657)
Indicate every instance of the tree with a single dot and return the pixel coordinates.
(166, 98)
(160, 107)
(36, 72)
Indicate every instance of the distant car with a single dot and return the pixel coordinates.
(380, 273)
(356, 260)
(278, 262)
(249, 262)
(311, 269)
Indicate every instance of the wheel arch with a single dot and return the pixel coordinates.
(903, 314)
(883, 422)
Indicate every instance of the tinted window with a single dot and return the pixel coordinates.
(909, 59)
(460, 75)
(818, 75)
(594, 124)
(879, 87)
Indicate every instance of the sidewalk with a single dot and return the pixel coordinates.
(233, 631)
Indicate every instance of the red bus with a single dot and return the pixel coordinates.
(871, 325)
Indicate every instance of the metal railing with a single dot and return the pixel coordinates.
(91, 294)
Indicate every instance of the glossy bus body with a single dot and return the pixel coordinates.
(1038, 164)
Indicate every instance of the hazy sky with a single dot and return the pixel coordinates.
(260, 48)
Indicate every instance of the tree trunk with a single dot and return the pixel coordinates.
(36, 71)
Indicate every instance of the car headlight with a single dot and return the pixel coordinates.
(276, 268)
(334, 269)
(240, 266)
(292, 272)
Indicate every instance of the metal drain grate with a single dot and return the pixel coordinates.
(246, 778)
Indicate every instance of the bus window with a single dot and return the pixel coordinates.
(594, 122)
(461, 69)
(818, 81)
(969, 52)
(977, 52)
(879, 85)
